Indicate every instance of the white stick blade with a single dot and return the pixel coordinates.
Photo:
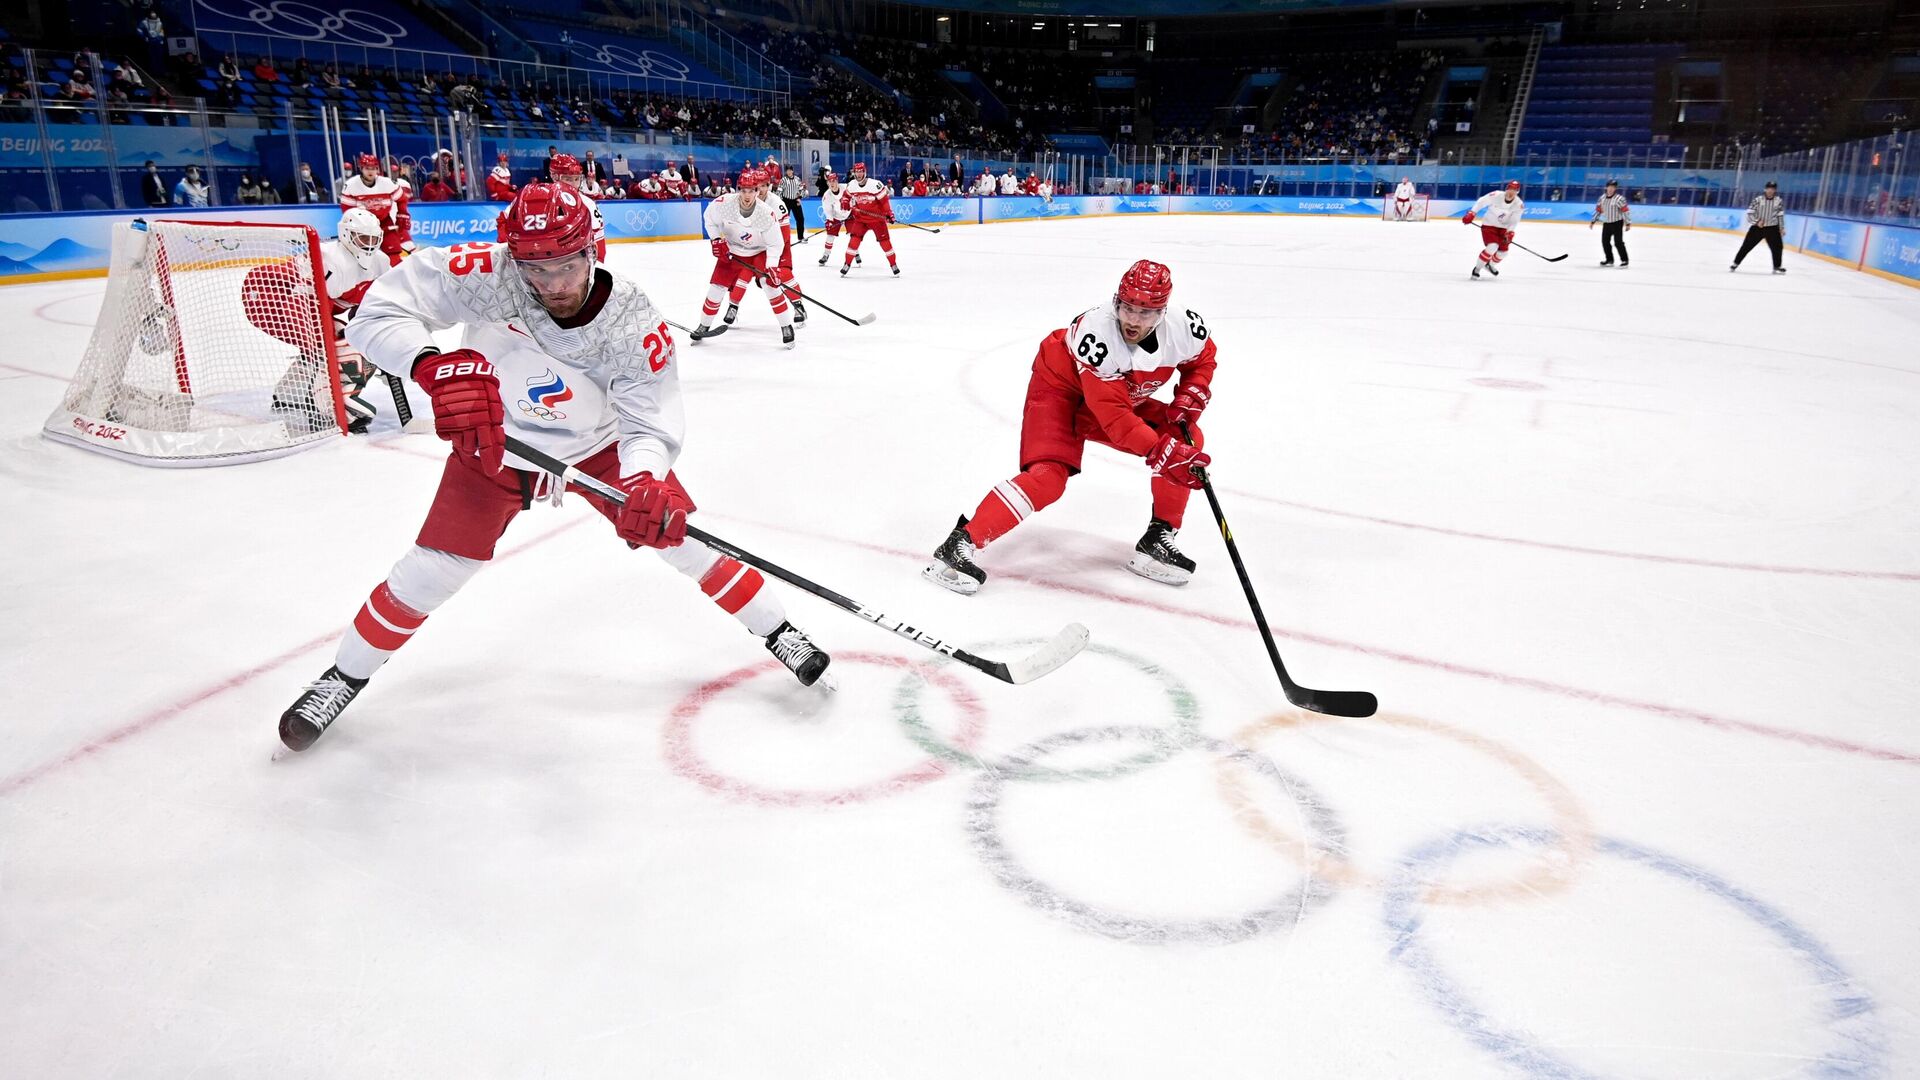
(867, 318)
(1065, 646)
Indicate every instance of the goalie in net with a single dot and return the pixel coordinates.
(211, 348)
(1406, 204)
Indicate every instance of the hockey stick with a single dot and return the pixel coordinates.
(1063, 647)
(922, 228)
(398, 387)
(1535, 254)
(1331, 702)
(792, 292)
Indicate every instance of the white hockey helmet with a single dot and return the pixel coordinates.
(360, 233)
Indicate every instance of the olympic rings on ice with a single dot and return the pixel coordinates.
(1858, 1047)
(1186, 724)
(686, 760)
(1285, 910)
(1573, 831)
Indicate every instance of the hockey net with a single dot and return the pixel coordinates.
(211, 348)
(1416, 211)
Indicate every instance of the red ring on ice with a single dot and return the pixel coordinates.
(685, 760)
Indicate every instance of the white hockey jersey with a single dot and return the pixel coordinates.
(1009, 185)
(1494, 209)
(746, 232)
(567, 391)
(830, 208)
(1404, 193)
(385, 198)
(1100, 348)
(347, 280)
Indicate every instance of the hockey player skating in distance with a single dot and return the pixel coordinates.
(271, 293)
(571, 358)
(567, 170)
(869, 207)
(747, 243)
(1095, 380)
(385, 198)
(1498, 213)
(832, 215)
(782, 270)
(1403, 199)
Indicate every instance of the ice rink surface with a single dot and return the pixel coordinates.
(1628, 556)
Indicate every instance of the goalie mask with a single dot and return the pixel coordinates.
(360, 233)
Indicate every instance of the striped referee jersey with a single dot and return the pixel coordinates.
(1766, 212)
(1612, 208)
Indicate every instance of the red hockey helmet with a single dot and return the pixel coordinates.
(547, 221)
(860, 167)
(1513, 185)
(751, 177)
(367, 161)
(564, 165)
(1146, 284)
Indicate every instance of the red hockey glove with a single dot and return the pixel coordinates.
(1468, 220)
(655, 514)
(720, 248)
(466, 403)
(1509, 236)
(1176, 460)
(1188, 403)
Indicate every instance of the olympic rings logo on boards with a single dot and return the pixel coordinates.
(306, 22)
(643, 219)
(1223, 204)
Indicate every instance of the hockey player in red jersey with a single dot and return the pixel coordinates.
(500, 181)
(576, 362)
(566, 169)
(383, 197)
(1498, 214)
(869, 207)
(1095, 380)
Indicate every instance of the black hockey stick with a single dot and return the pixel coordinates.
(398, 387)
(1331, 702)
(922, 228)
(1535, 254)
(792, 292)
(1063, 647)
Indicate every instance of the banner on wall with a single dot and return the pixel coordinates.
(1842, 240)
(83, 146)
(1894, 250)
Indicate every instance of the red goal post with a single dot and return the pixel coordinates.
(1416, 211)
(214, 346)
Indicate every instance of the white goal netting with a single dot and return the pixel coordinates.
(1415, 210)
(211, 348)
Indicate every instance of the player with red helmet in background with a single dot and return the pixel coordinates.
(832, 215)
(1095, 380)
(748, 243)
(869, 207)
(575, 361)
(566, 169)
(383, 197)
(1498, 214)
(782, 270)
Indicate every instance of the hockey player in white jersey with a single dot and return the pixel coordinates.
(1498, 213)
(746, 239)
(833, 214)
(1403, 199)
(573, 360)
(386, 198)
(780, 268)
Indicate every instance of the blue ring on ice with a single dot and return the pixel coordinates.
(1860, 1050)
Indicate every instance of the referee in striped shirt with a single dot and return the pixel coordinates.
(1615, 219)
(1764, 220)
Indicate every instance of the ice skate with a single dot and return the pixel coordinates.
(807, 661)
(317, 707)
(799, 313)
(733, 312)
(953, 567)
(786, 336)
(1156, 558)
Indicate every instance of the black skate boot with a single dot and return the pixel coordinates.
(802, 657)
(786, 336)
(1492, 269)
(733, 312)
(1155, 557)
(799, 313)
(1476, 270)
(823, 258)
(953, 566)
(319, 705)
(844, 267)
(896, 271)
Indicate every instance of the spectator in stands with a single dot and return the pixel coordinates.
(230, 68)
(437, 190)
(248, 192)
(153, 190)
(330, 77)
(307, 187)
(79, 88)
(191, 190)
(264, 70)
(302, 76)
(151, 30)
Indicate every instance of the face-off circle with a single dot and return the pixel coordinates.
(1185, 728)
(684, 759)
(1573, 830)
(1284, 911)
(1858, 1047)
